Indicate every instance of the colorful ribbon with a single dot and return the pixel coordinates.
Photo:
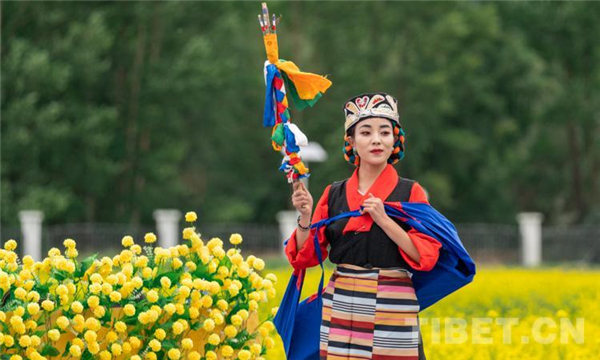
(305, 89)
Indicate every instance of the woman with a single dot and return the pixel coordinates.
(370, 310)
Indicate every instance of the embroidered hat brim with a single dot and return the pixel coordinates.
(370, 105)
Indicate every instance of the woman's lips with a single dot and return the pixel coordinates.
(376, 151)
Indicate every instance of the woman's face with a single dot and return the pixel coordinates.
(371, 135)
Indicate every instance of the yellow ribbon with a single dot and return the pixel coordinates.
(308, 85)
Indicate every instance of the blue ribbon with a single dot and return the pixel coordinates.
(270, 108)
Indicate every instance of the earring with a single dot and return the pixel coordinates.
(354, 150)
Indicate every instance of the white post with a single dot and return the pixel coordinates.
(530, 227)
(287, 224)
(31, 227)
(167, 225)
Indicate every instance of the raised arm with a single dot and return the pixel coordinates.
(300, 249)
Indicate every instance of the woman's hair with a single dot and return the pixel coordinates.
(397, 153)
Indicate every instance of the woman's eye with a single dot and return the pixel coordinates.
(365, 133)
(386, 133)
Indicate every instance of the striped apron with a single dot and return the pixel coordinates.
(370, 314)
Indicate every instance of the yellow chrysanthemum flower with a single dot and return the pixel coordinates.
(226, 351)
(214, 242)
(69, 243)
(150, 238)
(230, 331)
(10, 245)
(116, 349)
(188, 233)
(77, 307)
(99, 312)
(214, 339)
(271, 277)
(24, 341)
(54, 335)
(187, 343)
(235, 239)
(93, 301)
(165, 282)
(90, 336)
(191, 266)
(160, 334)
(135, 342)
(33, 308)
(223, 271)
(63, 322)
(95, 288)
(222, 304)
(233, 290)
(256, 349)
(258, 264)
(236, 320)
(93, 347)
(75, 350)
(177, 328)
(191, 216)
(152, 296)
(61, 290)
(127, 241)
(244, 355)
(121, 327)
(115, 296)
(209, 325)
(71, 253)
(269, 342)
(155, 345)
(177, 263)
(174, 354)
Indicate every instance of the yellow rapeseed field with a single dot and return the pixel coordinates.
(506, 313)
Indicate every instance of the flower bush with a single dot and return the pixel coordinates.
(192, 301)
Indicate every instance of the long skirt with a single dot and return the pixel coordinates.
(370, 314)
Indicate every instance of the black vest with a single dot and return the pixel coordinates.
(367, 249)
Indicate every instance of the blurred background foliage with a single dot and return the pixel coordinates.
(113, 109)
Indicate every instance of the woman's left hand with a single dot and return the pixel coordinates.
(374, 206)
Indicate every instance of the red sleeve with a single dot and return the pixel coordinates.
(306, 256)
(428, 247)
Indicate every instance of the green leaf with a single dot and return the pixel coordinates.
(87, 355)
(130, 320)
(169, 344)
(49, 350)
(67, 347)
(239, 306)
(238, 341)
(225, 262)
(172, 275)
(59, 274)
(85, 265)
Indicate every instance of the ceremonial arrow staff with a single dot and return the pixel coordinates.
(286, 85)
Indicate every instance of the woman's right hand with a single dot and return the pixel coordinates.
(301, 199)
